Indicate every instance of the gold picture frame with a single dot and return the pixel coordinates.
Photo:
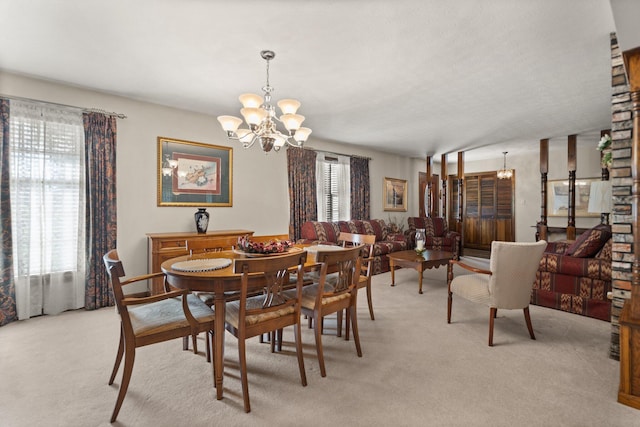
(558, 197)
(194, 174)
(394, 195)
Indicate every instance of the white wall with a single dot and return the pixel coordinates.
(260, 189)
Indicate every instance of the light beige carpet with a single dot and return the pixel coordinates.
(415, 371)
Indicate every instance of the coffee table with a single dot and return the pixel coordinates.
(419, 262)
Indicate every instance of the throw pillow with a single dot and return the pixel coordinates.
(590, 242)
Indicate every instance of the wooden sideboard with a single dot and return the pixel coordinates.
(163, 246)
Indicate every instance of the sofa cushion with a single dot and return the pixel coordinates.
(320, 231)
(590, 242)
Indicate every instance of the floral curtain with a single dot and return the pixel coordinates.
(100, 139)
(360, 188)
(301, 166)
(8, 311)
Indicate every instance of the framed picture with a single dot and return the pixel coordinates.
(194, 174)
(395, 195)
(558, 197)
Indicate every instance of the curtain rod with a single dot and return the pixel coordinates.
(338, 154)
(85, 110)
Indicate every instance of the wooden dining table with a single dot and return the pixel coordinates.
(223, 283)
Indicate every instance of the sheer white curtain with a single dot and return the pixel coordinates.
(333, 190)
(47, 208)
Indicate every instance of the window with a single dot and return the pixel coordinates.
(47, 207)
(333, 187)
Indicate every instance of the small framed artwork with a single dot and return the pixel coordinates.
(558, 197)
(194, 173)
(395, 194)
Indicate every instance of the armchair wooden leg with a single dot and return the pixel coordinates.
(298, 335)
(318, 335)
(118, 358)
(354, 328)
(243, 374)
(527, 318)
(129, 358)
(492, 316)
(369, 300)
(194, 338)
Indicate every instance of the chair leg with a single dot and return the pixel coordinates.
(527, 318)
(354, 328)
(298, 335)
(212, 343)
(318, 335)
(347, 322)
(118, 358)
(207, 343)
(339, 323)
(280, 335)
(194, 338)
(369, 300)
(449, 303)
(129, 357)
(243, 374)
(492, 316)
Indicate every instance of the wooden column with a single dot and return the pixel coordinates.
(544, 170)
(572, 162)
(427, 197)
(443, 173)
(460, 192)
(629, 391)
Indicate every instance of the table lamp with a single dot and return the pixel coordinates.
(600, 200)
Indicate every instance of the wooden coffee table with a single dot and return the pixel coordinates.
(419, 262)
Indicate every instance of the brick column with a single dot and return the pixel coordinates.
(621, 135)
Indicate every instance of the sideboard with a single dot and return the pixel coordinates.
(163, 246)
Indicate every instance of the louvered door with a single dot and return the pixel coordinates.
(488, 210)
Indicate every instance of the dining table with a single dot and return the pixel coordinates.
(212, 272)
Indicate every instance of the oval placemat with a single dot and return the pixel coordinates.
(197, 265)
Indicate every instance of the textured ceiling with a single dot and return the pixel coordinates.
(412, 77)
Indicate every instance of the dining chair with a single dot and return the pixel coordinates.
(274, 309)
(507, 284)
(349, 240)
(335, 291)
(201, 246)
(152, 319)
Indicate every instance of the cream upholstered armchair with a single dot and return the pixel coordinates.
(506, 285)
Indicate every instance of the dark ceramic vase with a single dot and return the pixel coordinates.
(202, 220)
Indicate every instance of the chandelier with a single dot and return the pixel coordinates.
(505, 173)
(261, 119)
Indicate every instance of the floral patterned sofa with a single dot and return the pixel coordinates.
(575, 276)
(437, 233)
(386, 240)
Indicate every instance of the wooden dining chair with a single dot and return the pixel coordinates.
(335, 291)
(202, 246)
(271, 311)
(350, 240)
(150, 320)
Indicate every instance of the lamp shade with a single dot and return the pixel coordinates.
(600, 197)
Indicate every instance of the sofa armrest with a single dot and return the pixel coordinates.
(397, 237)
